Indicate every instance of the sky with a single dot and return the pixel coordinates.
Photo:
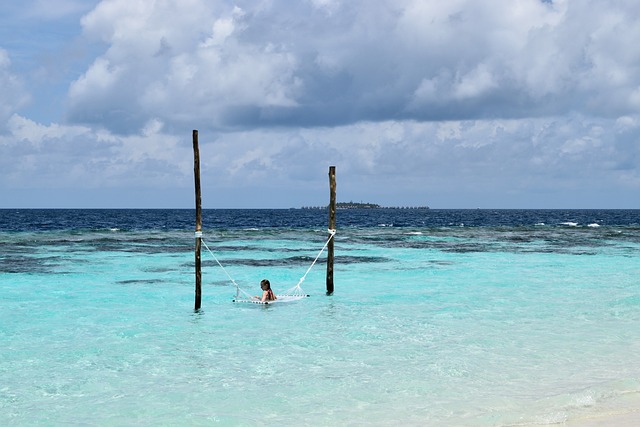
(459, 104)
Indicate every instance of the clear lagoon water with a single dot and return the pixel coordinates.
(439, 317)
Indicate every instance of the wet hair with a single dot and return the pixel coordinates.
(265, 285)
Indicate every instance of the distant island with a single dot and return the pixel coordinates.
(360, 205)
(356, 205)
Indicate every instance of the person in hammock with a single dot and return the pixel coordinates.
(267, 293)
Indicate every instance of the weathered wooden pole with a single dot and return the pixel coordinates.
(332, 226)
(196, 174)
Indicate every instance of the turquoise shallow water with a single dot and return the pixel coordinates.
(448, 326)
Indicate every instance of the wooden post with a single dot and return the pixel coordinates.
(198, 234)
(332, 226)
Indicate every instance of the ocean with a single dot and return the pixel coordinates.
(438, 318)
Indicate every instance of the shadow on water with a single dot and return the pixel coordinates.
(141, 282)
(197, 315)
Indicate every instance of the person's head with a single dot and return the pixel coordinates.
(265, 285)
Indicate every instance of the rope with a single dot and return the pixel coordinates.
(297, 287)
(238, 290)
(223, 269)
(296, 290)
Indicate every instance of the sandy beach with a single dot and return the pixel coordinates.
(608, 420)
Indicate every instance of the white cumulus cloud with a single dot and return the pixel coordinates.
(327, 62)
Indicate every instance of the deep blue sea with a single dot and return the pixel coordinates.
(438, 318)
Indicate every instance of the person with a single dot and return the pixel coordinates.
(267, 293)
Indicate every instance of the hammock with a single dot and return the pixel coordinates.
(279, 299)
(294, 294)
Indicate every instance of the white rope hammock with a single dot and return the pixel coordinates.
(292, 294)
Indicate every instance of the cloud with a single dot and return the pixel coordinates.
(12, 91)
(320, 63)
(183, 53)
(469, 163)
(57, 156)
